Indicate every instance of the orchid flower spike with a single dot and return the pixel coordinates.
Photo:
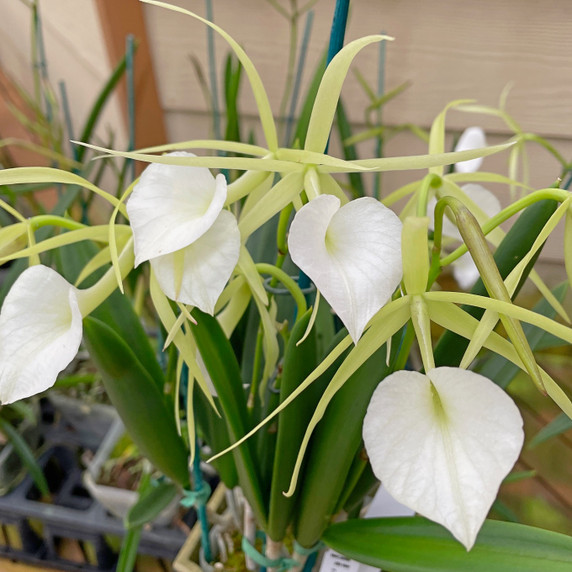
(464, 269)
(179, 225)
(442, 442)
(352, 254)
(40, 332)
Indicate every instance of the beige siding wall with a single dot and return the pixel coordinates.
(448, 49)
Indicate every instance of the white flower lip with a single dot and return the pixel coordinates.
(352, 254)
(172, 206)
(206, 265)
(40, 333)
(442, 443)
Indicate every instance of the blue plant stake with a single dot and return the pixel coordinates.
(336, 43)
(201, 505)
(199, 496)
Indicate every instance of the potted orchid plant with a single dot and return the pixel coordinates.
(327, 410)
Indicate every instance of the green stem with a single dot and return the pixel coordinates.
(430, 180)
(405, 349)
(288, 283)
(90, 298)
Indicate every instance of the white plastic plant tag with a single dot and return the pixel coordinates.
(334, 562)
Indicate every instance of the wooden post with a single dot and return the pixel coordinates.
(118, 19)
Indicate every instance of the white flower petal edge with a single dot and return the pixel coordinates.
(352, 254)
(172, 206)
(206, 265)
(442, 443)
(40, 332)
(471, 138)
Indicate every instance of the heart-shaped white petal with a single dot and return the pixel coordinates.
(442, 443)
(40, 333)
(172, 206)
(352, 254)
(207, 264)
(471, 138)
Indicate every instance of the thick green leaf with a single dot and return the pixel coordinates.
(365, 484)
(299, 362)
(138, 400)
(415, 544)
(450, 348)
(333, 449)
(213, 429)
(221, 364)
(150, 505)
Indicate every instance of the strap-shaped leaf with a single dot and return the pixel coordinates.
(221, 364)
(138, 400)
(414, 544)
(150, 505)
(299, 361)
(333, 449)
(26, 455)
(213, 429)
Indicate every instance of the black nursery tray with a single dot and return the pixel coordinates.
(33, 531)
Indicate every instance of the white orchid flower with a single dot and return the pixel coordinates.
(40, 332)
(179, 225)
(442, 442)
(352, 254)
